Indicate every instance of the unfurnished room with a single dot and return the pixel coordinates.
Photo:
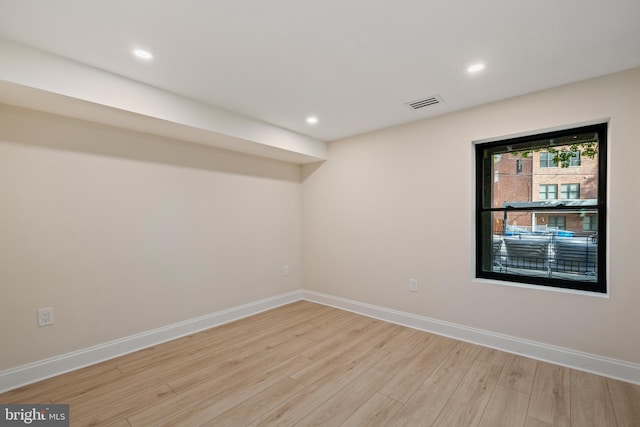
(295, 213)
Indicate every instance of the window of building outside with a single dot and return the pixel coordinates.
(548, 191)
(529, 232)
(570, 191)
(589, 223)
(547, 160)
(559, 222)
(575, 159)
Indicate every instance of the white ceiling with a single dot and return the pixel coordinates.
(352, 63)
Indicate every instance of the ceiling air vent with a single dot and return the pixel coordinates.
(425, 102)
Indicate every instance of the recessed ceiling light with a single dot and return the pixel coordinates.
(142, 54)
(312, 120)
(475, 68)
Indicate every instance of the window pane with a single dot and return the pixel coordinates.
(557, 222)
(541, 244)
(547, 160)
(548, 192)
(575, 159)
(509, 185)
(590, 222)
(570, 191)
(536, 183)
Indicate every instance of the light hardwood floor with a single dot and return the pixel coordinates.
(306, 364)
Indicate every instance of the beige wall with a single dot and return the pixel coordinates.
(399, 204)
(122, 232)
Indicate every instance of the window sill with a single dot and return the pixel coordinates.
(540, 287)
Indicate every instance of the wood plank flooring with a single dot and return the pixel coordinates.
(306, 364)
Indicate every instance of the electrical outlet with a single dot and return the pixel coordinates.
(413, 285)
(45, 316)
(285, 270)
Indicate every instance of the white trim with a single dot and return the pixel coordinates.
(473, 168)
(600, 365)
(531, 132)
(40, 370)
(37, 371)
(604, 295)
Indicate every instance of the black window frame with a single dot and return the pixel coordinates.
(484, 247)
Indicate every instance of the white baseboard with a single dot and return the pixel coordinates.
(27, 374)
(33, 372)
(612, 368)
